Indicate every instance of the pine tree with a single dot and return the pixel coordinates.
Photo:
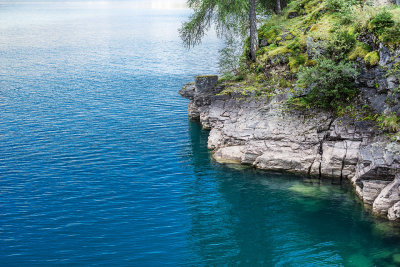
(226, 15)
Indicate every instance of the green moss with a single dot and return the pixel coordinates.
(310, 62)
(372, 58)
(269, 32)
(323, 28)
(282, 50)
(389, 122)
(336, 35)
(296, 61)
(359, 51)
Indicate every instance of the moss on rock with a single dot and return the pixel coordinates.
(360, 51)
(372, 58)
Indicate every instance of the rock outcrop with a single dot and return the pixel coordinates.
(264, 133)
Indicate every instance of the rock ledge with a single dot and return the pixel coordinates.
(263, 133)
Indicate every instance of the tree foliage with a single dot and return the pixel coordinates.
(234, 16)
(330, 83)
(226, 15)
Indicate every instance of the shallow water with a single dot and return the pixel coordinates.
(99, 164)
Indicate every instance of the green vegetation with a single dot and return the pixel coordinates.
(229, 16)
(372, 58)
(331, 83)
(360, 50)
(313, 49)
(390, 122)
(381, 21)
(341, 43)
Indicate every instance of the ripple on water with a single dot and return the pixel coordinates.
(100, 166)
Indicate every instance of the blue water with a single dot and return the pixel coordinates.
(99, 164)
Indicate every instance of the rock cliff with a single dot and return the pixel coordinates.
(264, 133)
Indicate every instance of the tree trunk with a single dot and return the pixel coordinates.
(283, 4)
(253, 30)
(278, 7)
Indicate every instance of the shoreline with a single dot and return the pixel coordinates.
(262, 133)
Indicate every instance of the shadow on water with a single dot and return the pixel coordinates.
(245, 216)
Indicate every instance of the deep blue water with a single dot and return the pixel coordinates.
(99, 164)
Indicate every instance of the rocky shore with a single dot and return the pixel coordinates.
(264, 133)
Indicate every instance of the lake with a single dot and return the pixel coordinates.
(99, 164)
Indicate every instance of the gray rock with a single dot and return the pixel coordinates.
(230, 154)
(315, 48)
(188, 91)
(292, 15)
(205, 83)
(384, 54)
(263, 42)
(263, 133)
(371, 189)
(389, 196)
(394, 212)
(376, 86)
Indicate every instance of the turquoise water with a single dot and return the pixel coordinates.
(99, 164)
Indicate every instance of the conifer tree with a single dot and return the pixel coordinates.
(226, 15)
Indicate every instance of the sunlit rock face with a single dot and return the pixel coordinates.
(265, 134)
(394, 212)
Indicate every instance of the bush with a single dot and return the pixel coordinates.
(338, 5)
(391, 35)
(381, 21)
(341, 44)
(329, 84)
(389, 122)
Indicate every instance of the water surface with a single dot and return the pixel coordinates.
(99, 164)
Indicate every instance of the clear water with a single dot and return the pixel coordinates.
(99, 164)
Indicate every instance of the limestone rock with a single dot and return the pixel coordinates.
(263, 133)
(394, 212)
(231, 154)
(371, 190)
(389, 196)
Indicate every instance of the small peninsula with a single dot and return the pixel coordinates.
(321, 99)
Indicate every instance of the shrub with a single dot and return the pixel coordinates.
(390, 122)
(391, 35)
(329, 84)
(296, 61)
(338, 5)
(381, 21)
(341, 44)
